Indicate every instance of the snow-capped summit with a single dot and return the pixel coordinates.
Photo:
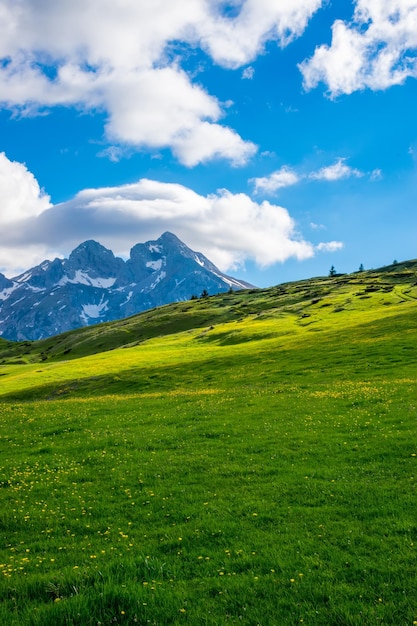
(93, 286)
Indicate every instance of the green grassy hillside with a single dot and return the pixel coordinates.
(248, 458)
(298, 297)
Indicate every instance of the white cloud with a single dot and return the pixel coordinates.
(15, 260)
(230, 228)
(376, 174)
(119, 57)
(209, 141)
(20, 194)
(287, 176)
(248, 73)
(337, 171)
(277, 180)
(330, 246)
(235, 42)
(376, 50)
(113, 153)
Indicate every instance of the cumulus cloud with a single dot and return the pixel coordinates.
(315, 226)
(284, 177)
(376, 50)
(337, 171)
(287, 176)
(20, 194)
(230, 228)
(248, 73)
(235, 42)
(376, 174)
(330, 246)
(15, 260)
(211, 140)
(113, 153)
(123, 57)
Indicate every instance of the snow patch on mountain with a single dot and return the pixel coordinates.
(129, 297)
(154, 248)
(5, 293)
(25, 277)
(35, 289)
(158, 279)
(155, 265)
(93, 311)
(232, 282)
(83, 278)
(198, 260)
(17, 301)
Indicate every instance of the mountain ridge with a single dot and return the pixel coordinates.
(93, 285)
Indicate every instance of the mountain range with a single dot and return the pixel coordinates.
(94, 286)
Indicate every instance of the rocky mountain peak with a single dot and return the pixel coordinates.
(92, 258)
(93, 286)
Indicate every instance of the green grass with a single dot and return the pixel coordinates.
(251, 460)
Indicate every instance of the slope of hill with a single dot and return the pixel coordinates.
(248, 458)
(304, 302)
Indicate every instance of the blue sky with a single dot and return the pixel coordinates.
(278, 138)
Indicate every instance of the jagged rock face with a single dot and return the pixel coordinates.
(93, 286)
(93, 260)
(5, 283)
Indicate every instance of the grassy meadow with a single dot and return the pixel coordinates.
(248, 458)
